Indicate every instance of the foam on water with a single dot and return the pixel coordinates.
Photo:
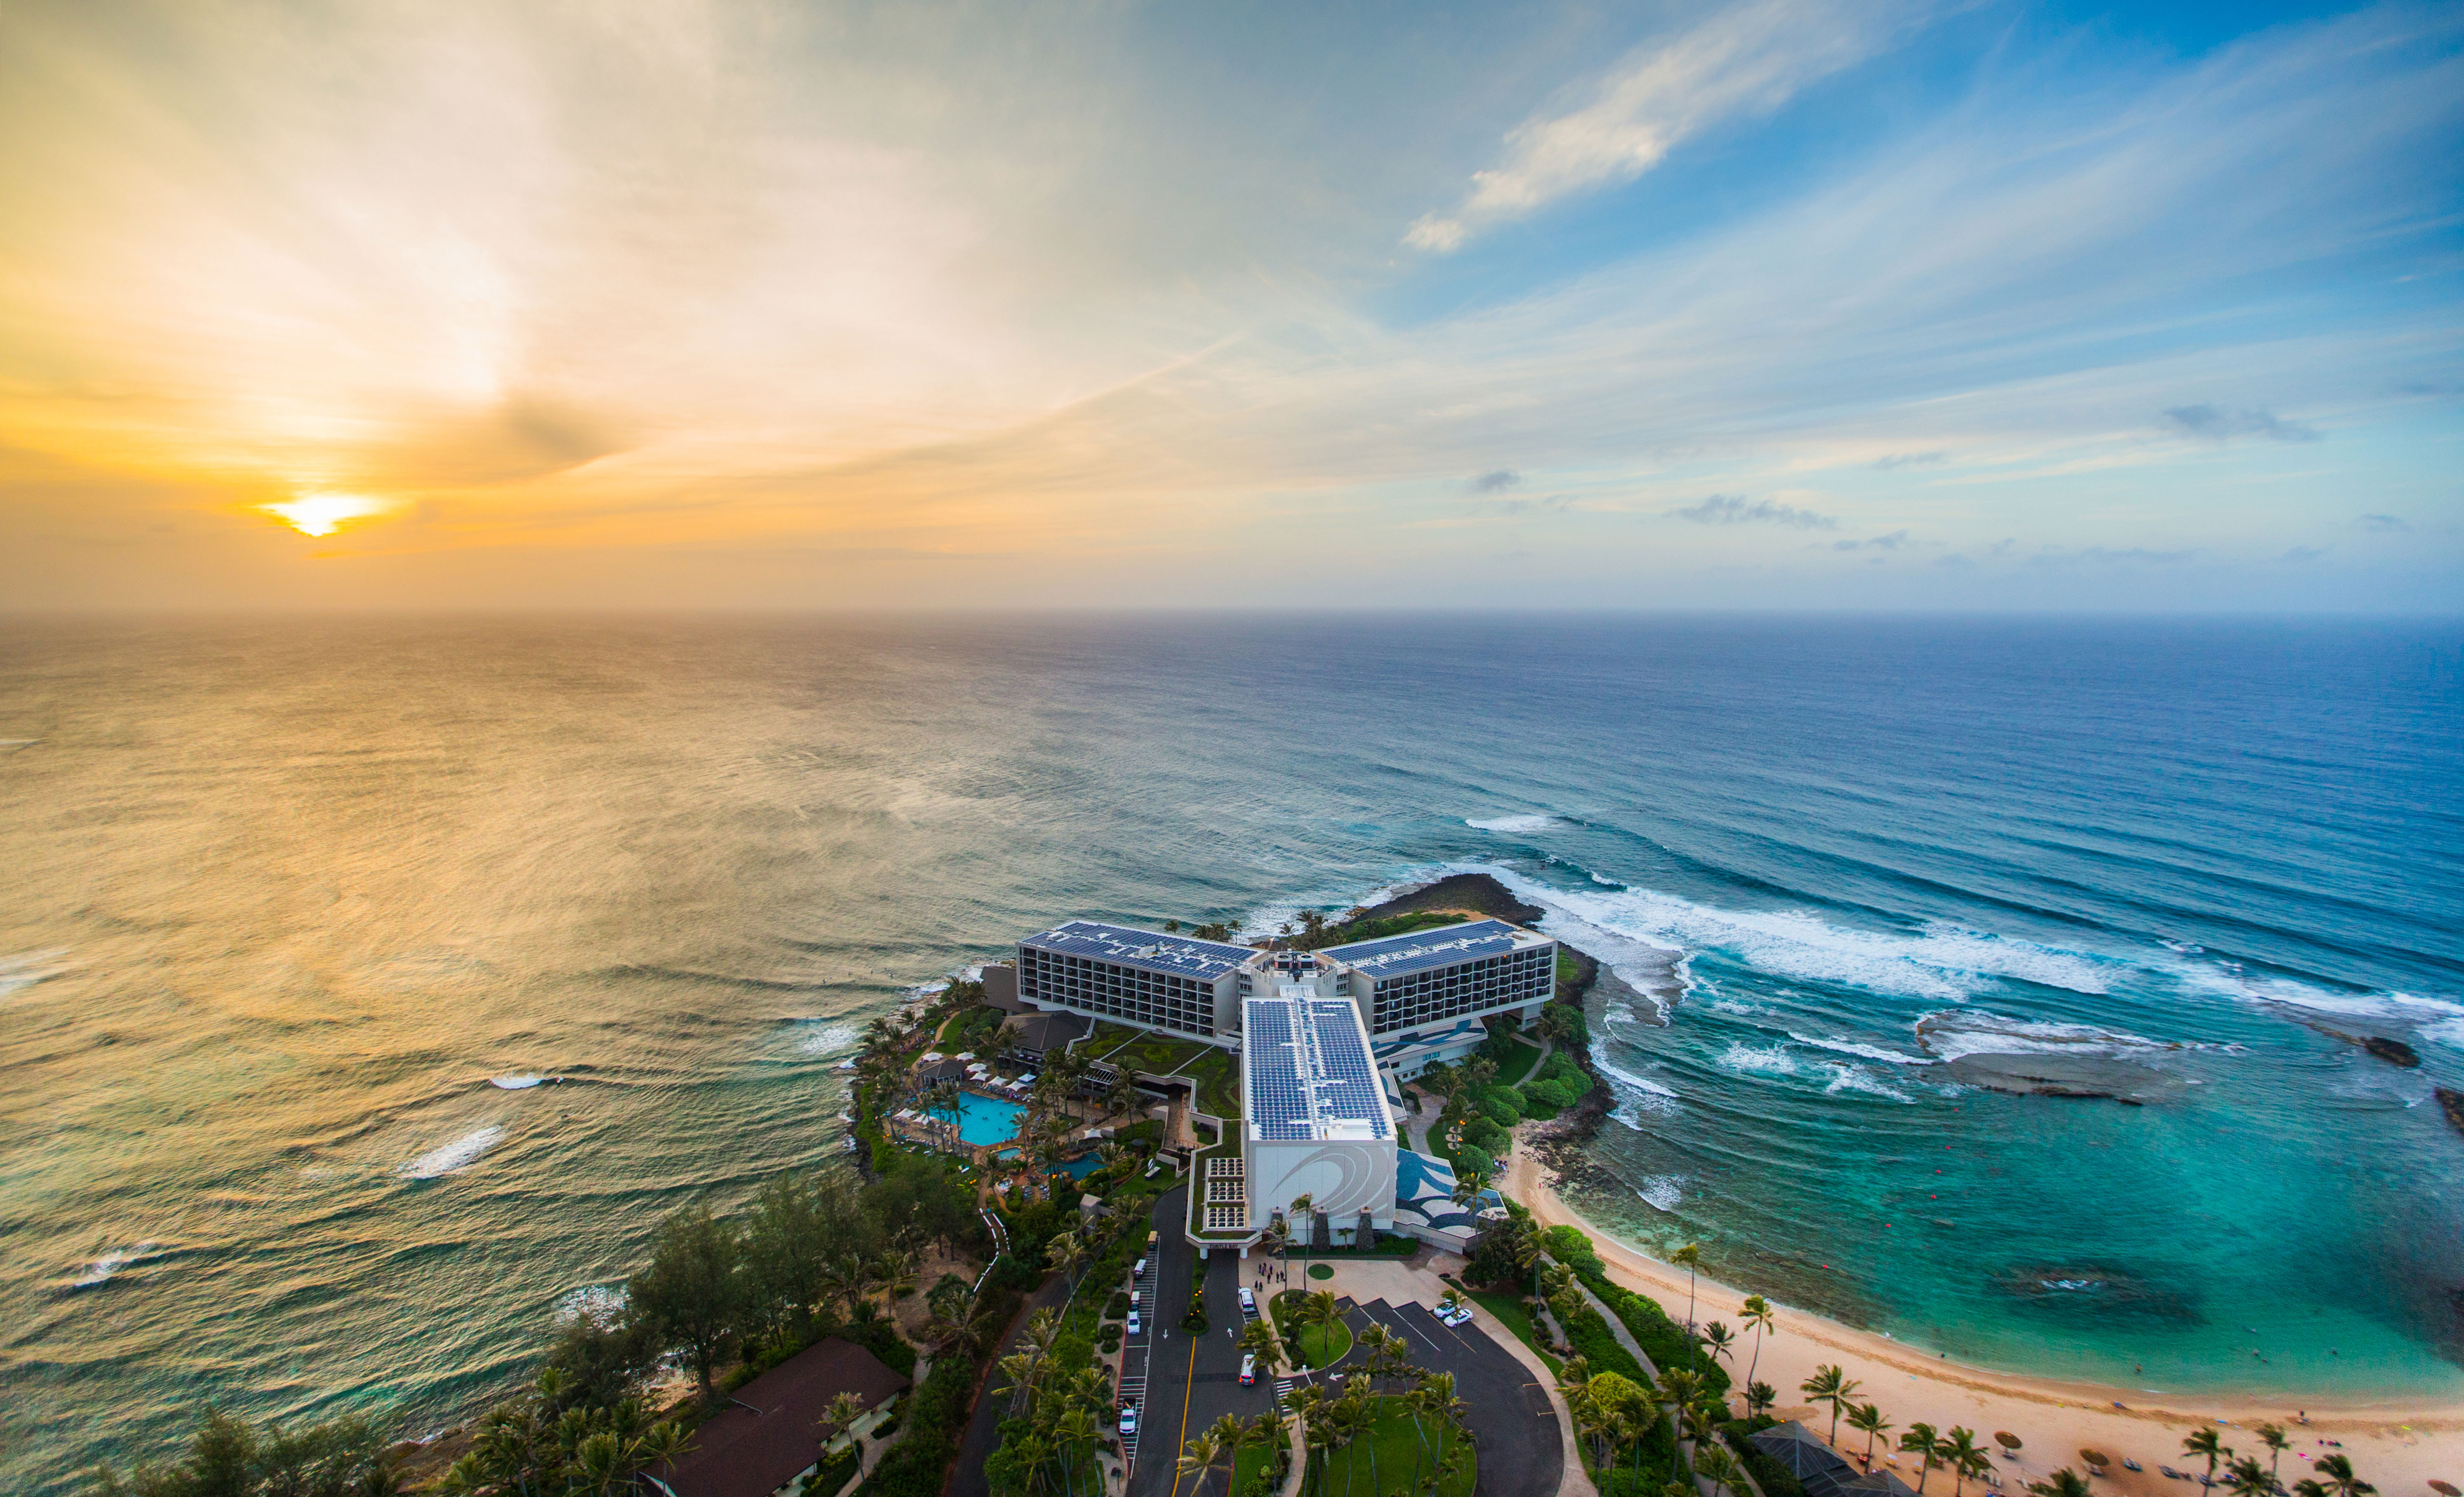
(1846, 1077)
(1952, 1033)
(1643, 1094)
(1518, 824)
(461, 1153)
(2445, 1031)
(1942, 962)
(601, 1302)
(28, 968)
(522, 1083)
(1767, 1060)
(104, 1269)
(1663, 1191)
(829, 1038)
(1871, 1052)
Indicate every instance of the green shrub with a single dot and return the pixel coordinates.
(833, 1473)
(1557, 1096)
(1661, 1339)
(1569, 1246)
(1117, 1305)
(1470, 1160)
(1484, 1134)
(882, 1339)
(1504, 1108)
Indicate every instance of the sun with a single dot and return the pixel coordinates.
(323, 514)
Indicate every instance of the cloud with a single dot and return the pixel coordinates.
(1744, 61)
(2216, 424)
(2305, 553)
(2106, 556)
(1907, 460)
(1496, 482)
(2384, 523)
(1890, 542)
(1731, 509)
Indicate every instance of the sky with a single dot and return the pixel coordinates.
(1888, 304)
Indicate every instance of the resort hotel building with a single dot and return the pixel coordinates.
(1326, 1038)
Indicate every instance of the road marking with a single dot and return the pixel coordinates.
(1188, 1386)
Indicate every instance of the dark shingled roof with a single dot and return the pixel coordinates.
(1820, 1469)
(1041, 1031)
(739, 1453)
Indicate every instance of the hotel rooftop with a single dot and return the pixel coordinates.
(1181, 956)
(1307, 1069)
(1397, 954)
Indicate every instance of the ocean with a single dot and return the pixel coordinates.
(293, 911)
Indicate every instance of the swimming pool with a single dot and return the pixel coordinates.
(983, 1120)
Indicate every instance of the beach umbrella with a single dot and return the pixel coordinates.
(2094, 1457)
(2444, 1488)
(2005, 1439)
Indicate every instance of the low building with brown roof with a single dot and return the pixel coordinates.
(769, 1435)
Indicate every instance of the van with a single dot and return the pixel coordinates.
(1248, 1300)
(1151, 1240)
(1138, 1269)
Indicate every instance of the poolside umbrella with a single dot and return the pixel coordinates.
(2005, 1439)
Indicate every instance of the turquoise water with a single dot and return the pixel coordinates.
(1079, 1168)
(983, 1120)
(290, 913)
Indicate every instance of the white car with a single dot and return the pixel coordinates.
(1138, 1269)
(1129, 1419)
(1453, 1314)
(1133, 1322)
(1249, 1300)
(1248, 1371)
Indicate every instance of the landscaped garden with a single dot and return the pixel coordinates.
(1219, 1084)
(1314, 1343)
(1388, 1454)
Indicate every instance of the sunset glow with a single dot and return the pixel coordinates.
(324, 513)
(1787, 303)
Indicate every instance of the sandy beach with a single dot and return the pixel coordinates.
(2397, 1448)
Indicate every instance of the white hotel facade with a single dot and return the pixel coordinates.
(1326, 1038)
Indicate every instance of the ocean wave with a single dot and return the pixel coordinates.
(28, 968)
(104, 1269)
(1663, 1191)
(831, 1039)
(1941, 962)
(1766, 1059)
(461, 1153)
(1845, 1077)
(1871, 1052)
(2413, 1008)
(600, 1301)
(1541, 821)
(2445, 1031)
(1952, 1033)
(1643, 1095)
(522, 1083)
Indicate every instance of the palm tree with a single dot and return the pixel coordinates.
(1712, 1460)
(843, 1412)
(1302, 1205)
(2207, 1443)
(1257, 1339)
(2064, 1483)
(2254, 1478)
(1959, 1453)
(1721, 1341)
(1829, 1385)
(1759, 1397)
(1922, 1443)
(2337, 1469)
(1067, 1253)
(1755, 1315)
(2272, 1437)
(2306, 1487)
(1689, 1258)
(1319, 1310)
(1868, 1419)
(1199, 1457)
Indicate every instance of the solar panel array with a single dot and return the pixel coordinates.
(1307, 1065)
(1442, 947)
(1181, 955)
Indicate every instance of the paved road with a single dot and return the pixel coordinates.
(1191, 1381)
(1512, 1424)
(984, 1429)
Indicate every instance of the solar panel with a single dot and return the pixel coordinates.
(1444, 947)
(1307, 1069)
(1152, 951)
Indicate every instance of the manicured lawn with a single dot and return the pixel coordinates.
(1388, 1450)
(1251, 1461)
(1319, 1270)
(1508, 1308)
(1315, 1346)
(1219, 1085)
(1520, 1066)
